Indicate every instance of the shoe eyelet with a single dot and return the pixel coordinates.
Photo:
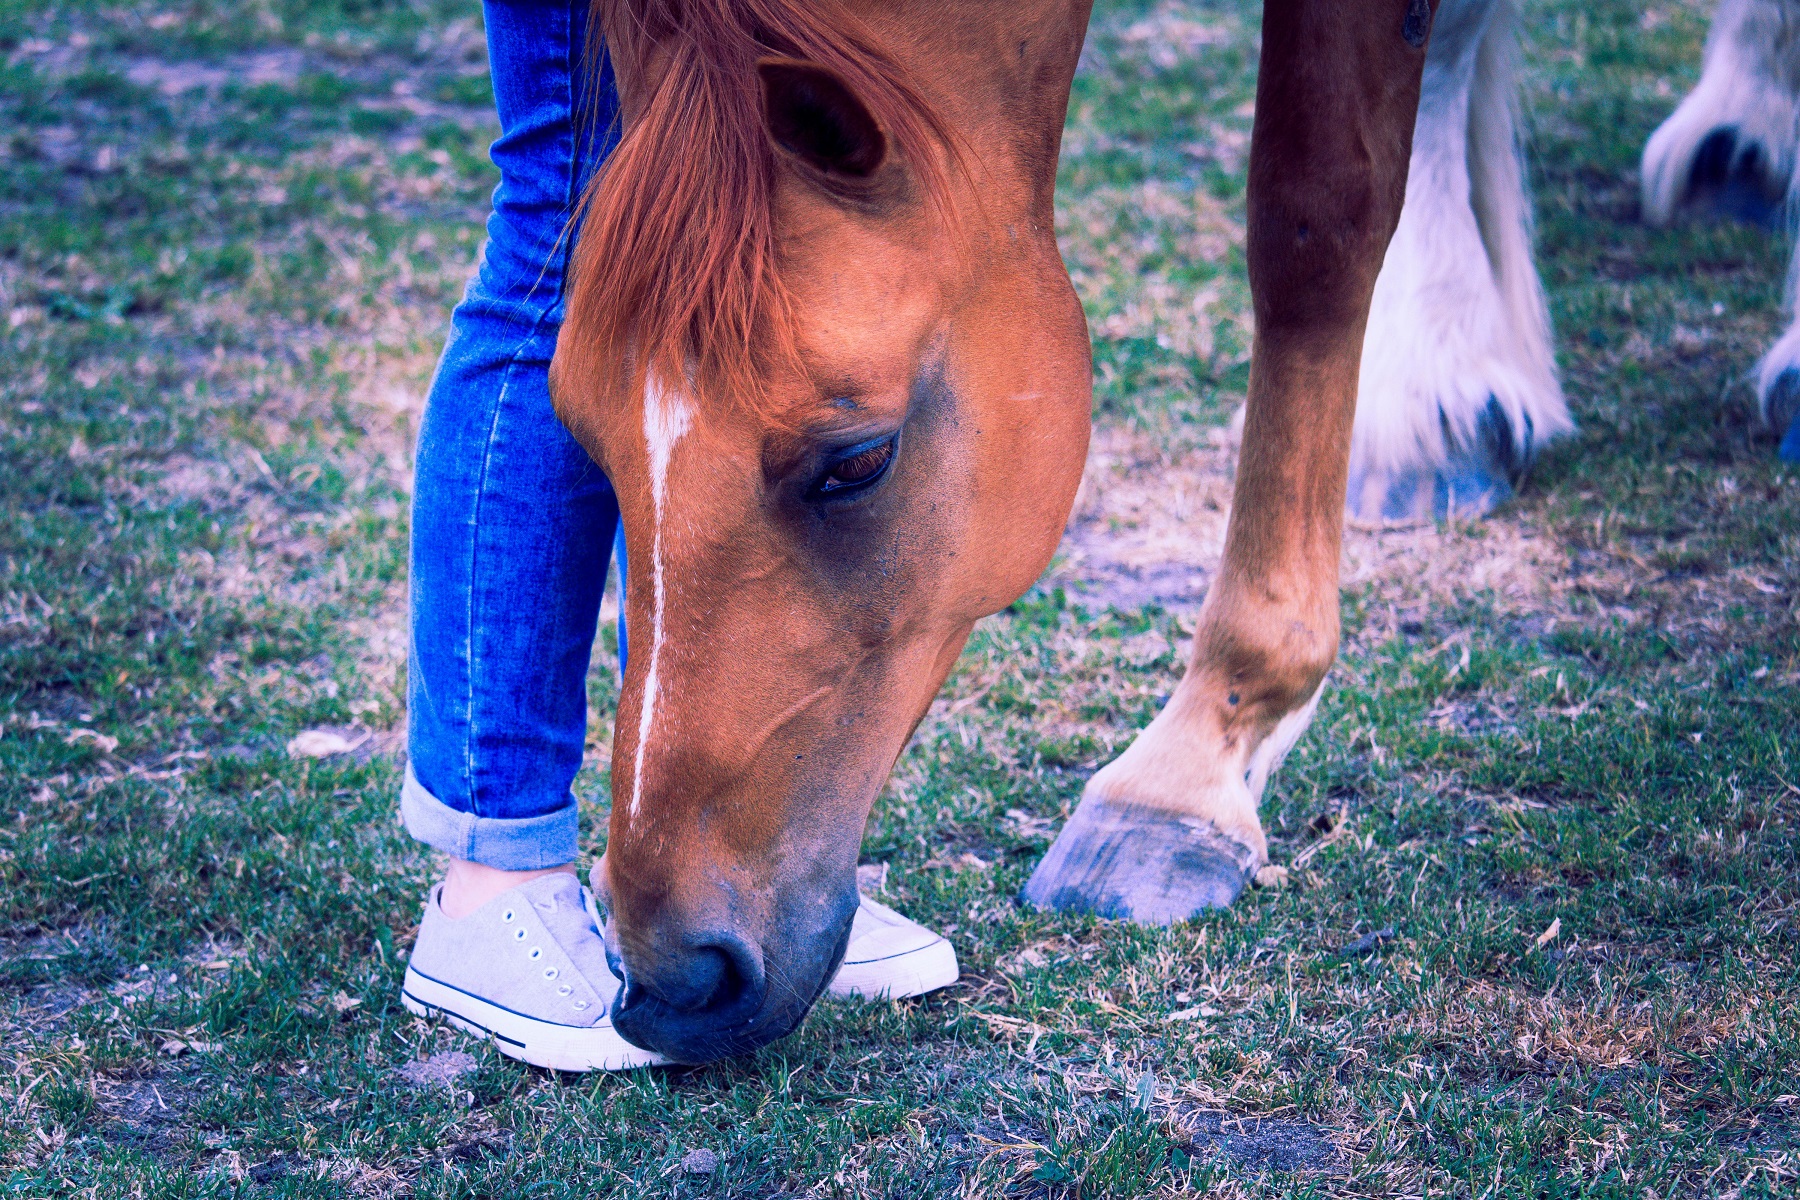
(519, 933)
(535, 953)
(549, 972)
(580, 1004)
(507, 916)
(564, 990)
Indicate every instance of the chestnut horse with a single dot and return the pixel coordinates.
(821, 340)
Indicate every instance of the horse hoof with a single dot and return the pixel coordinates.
(1782, 408)
(1142, 864)
(1735, 180)
(1418, 494)
(1477, 479)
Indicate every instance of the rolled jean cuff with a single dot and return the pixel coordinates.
(504, 843)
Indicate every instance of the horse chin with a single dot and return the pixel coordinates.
(698, 1038)
(768, 1001)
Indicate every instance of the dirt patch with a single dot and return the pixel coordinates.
(282, 67)
(1257, 1143)
(1772, 1134)
(442, 1069)
(149, 1111)
(280, 1166)
(36, 965)
(1148, 526)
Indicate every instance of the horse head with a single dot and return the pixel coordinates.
(821, 340)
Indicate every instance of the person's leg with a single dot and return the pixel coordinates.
(512, 529)
(513, 525)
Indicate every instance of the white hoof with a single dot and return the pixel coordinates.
(1138, 863)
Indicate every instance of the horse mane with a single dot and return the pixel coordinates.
(676, 269)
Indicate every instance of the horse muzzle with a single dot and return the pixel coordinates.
(696, 992)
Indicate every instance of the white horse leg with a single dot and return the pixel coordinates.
(1458, 384)
(1733, 146)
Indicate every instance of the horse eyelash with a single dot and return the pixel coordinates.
(877, 456)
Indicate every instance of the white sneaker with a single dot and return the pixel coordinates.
(527, 970)
(890, 957)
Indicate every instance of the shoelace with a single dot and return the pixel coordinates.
(534, 953)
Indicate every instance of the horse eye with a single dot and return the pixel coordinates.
(860, 469)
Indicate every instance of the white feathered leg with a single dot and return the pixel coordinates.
(1733, 146)
(1459, 382)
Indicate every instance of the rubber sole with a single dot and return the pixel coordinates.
(528, 1039)
(909, 973)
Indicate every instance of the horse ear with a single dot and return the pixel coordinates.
(812, 114)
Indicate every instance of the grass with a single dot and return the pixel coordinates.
(1540, 937)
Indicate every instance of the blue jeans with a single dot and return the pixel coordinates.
(512, 523)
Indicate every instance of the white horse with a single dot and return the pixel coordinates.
(1459, 385)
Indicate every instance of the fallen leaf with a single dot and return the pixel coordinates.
(962, 862)
(341, 1002)
(1549, 935)
(1028, 826)
(106, 744)
(325, 743)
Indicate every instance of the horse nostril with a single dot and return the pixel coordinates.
(720, 974)
(705, 974)
(711, 995)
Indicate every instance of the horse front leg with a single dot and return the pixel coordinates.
(1170, 827)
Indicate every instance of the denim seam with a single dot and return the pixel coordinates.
(557, 259)
(560, 249)
(575, 119)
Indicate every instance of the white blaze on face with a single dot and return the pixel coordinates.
(667, 418)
